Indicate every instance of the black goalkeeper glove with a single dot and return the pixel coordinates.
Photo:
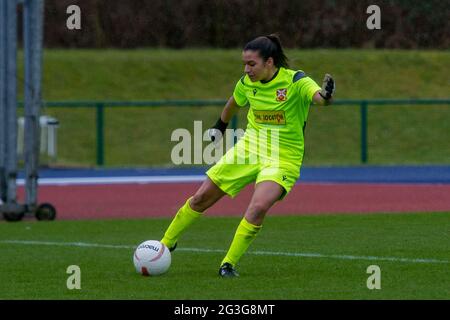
(328, 87)
(217, 131)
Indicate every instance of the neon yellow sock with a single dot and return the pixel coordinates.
(245, 234)
(183, 219)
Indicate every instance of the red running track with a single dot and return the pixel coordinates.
(160, 200)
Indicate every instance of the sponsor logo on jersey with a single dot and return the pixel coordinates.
(269, 117)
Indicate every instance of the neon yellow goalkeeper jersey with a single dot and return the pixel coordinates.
(281, 104)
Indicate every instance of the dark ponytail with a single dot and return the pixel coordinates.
(269, 46)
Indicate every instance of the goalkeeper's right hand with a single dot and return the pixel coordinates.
(217, 131)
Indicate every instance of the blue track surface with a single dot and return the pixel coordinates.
(363, 174)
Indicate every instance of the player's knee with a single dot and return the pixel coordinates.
(259, 208)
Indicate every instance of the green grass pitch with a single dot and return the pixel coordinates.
(294, 257)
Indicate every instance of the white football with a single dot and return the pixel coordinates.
(152, 258)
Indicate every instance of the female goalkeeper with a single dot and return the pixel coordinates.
(278, 101)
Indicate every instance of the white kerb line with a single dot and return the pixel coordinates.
(115, 180)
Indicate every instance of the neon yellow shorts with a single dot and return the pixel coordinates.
(231, 178)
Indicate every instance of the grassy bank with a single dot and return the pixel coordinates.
(397, 135)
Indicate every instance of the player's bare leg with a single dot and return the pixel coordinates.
(265, 195)
(208, 194)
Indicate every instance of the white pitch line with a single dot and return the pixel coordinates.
(67, 244)
(266, 253)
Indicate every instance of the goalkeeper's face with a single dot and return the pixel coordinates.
(255, 67)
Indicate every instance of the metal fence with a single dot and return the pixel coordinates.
(100, 106)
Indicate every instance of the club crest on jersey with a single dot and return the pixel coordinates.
(281, 94)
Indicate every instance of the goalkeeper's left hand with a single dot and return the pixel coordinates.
(328, 87)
